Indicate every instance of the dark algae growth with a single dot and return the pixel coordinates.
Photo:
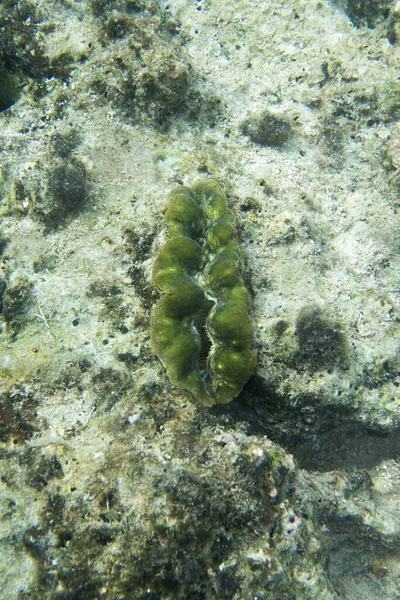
(200, 328)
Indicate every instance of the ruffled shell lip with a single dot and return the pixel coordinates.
(206, 352)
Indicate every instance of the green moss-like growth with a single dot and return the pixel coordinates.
(21, 49)
(9, 91)
(16, 301)
(18, 417)
(321, 340)
(63, 143)
(266, 129)
(67, 185)
(66, 192)
(365, 12)
(3, 287)
(198, 275)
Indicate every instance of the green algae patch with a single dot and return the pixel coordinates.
(9, 91)
(200, 328)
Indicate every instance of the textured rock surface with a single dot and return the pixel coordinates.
(112, 483)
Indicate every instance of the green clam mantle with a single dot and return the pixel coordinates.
(200, 328)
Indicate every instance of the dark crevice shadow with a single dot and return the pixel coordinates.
(351, 446)
(321, 437)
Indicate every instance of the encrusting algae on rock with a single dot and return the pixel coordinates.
(200, 328)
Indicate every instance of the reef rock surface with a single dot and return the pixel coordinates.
(113, 483)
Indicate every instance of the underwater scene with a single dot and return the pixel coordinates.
(199, 300)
